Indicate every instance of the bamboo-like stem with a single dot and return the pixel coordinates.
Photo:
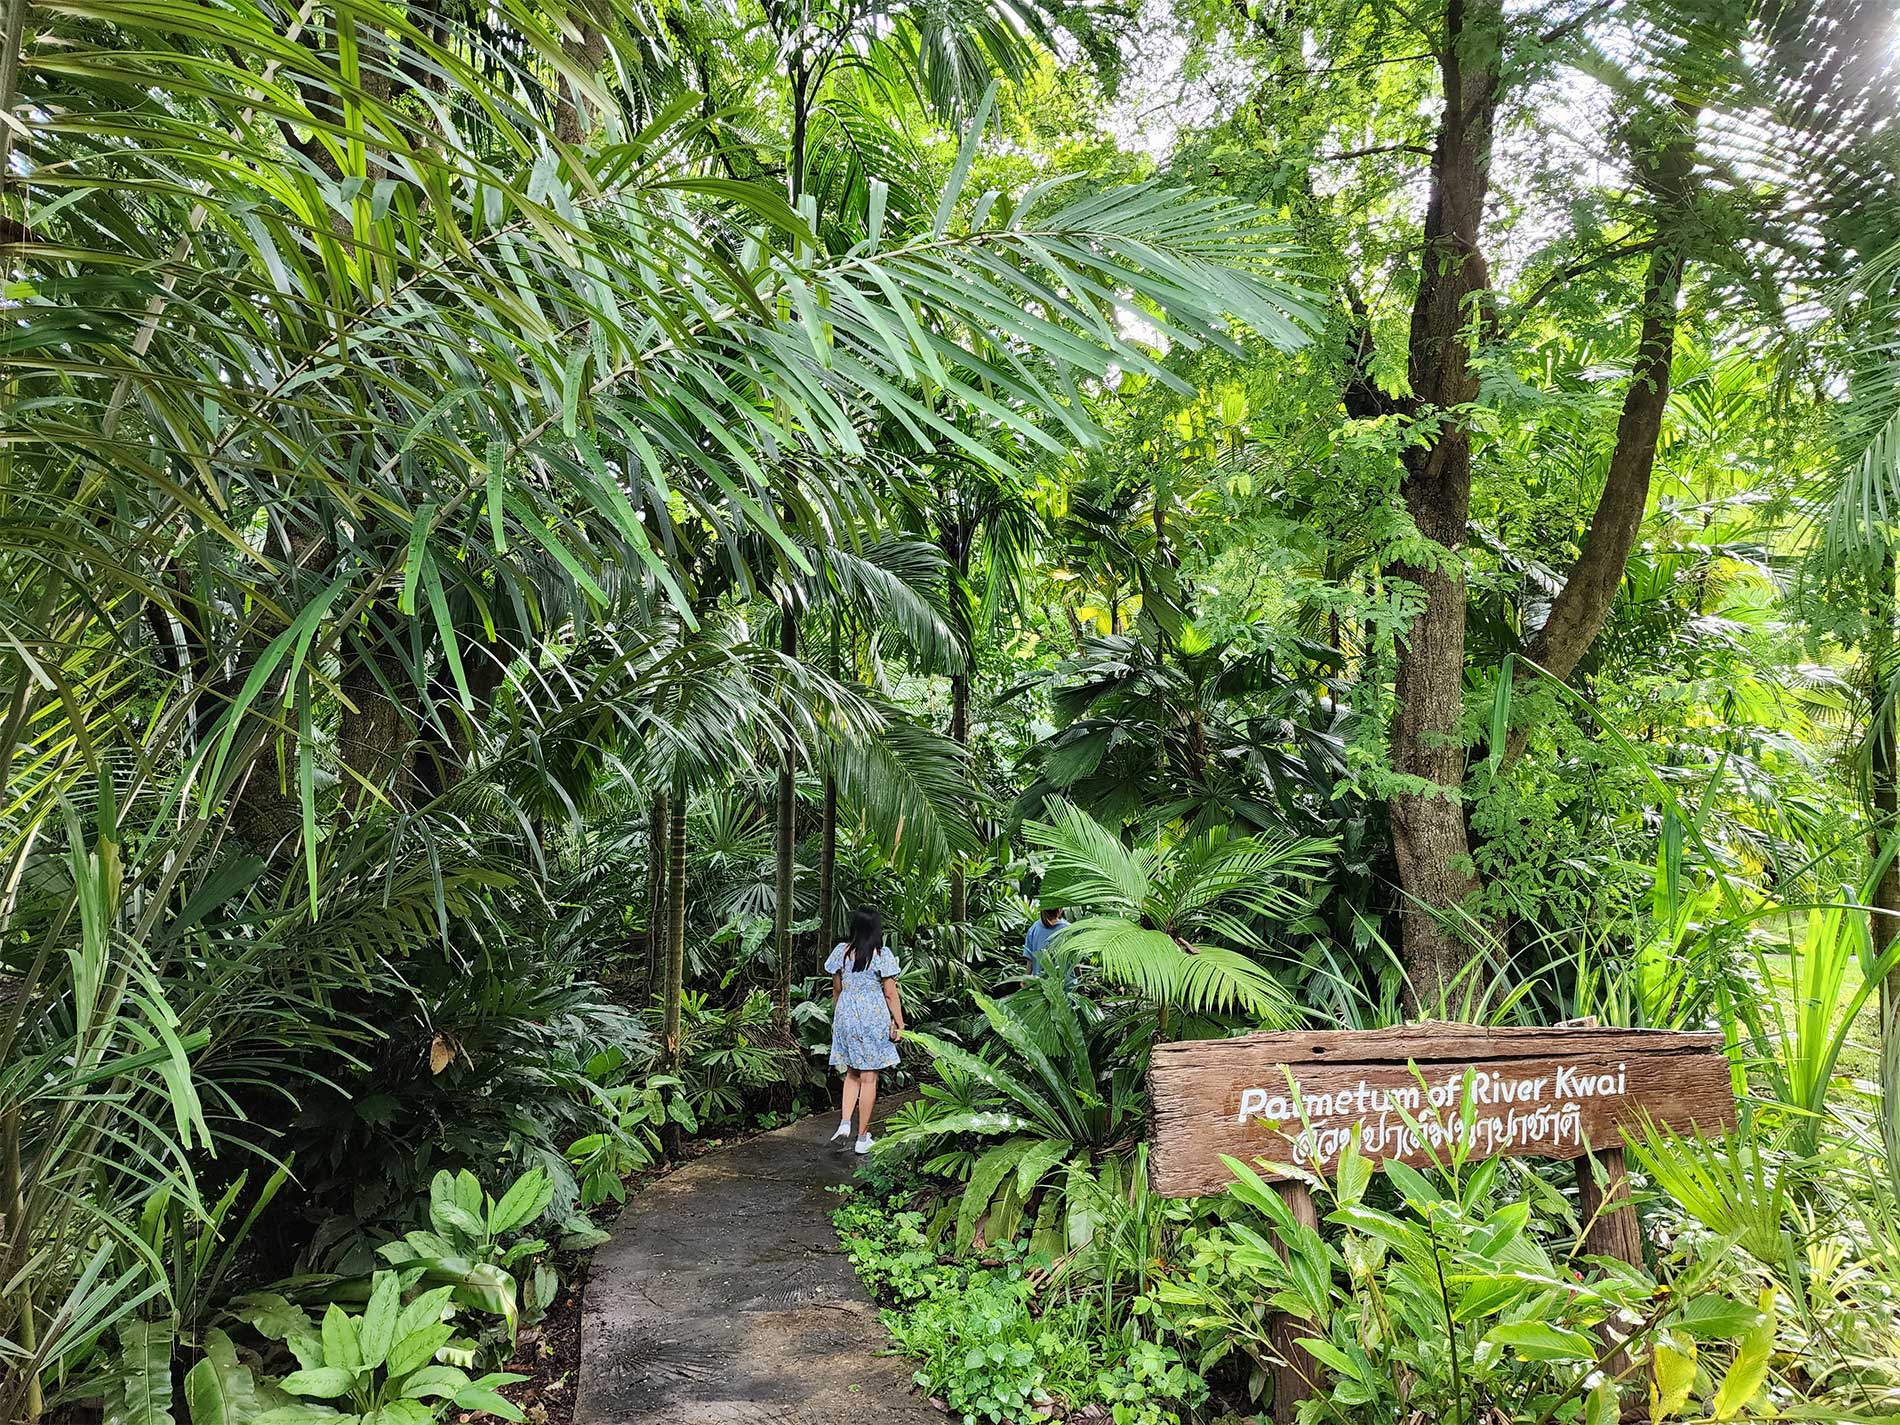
(676, 927)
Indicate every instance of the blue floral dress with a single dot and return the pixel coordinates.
(861, 1024)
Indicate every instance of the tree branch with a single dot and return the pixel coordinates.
(1519, 310)
(1419, 149)
(1578, 613)
(1575, 22)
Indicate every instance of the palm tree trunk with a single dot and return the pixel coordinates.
(828, 869)
(656, 896)
(785, 843)
(372, 735)
(675, 927)
(571, 119)
(959, 734)
(1884, 788)
(828, 836)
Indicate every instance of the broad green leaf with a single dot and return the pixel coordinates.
(985, 1177)
(377, 1330)
(526, 1199)
(580, 1234)
(1748, 1373)
(1354, 1175)
(479, 1285)
(1672, 1370)
(141, 1391)
(434, 1382)
(1715, 1318)
(341, 1347)
(431, 1308)
(322, 1382)
(475, 1397)
(1540, 1341)
(415, 1350)
(220, 1390)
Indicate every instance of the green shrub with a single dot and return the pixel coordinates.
(993, 1347)
(988, 1354)
(1143, 1387)
(890, 1251)
(1447, 1304)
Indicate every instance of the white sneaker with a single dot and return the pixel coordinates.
(844, 1131)
(864, 1143)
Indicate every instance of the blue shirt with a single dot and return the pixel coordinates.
(1039, 936)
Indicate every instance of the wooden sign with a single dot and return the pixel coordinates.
(1283, 1102)
(1297, 1099)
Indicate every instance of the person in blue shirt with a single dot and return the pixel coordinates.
(1042, 930)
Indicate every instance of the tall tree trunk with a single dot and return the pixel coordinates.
(802, 84)
(570, 110)
(828, 836)
(372, 735)
(1428, 822)
(1581, 607)
(656, 896)
(785, 845)
(675, 928)
(1884, 778)
(959, 734)
(828, 871)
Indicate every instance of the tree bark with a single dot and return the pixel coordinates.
(570, 110)
(959, 734)
(828, 871)
(828, 836)
(1883, 758)
(785, 846)
(1583, 605)
(1428, 824)
(373, 730)
(675, 929)
(656, 896)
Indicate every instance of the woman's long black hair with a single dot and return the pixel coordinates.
(867, 934)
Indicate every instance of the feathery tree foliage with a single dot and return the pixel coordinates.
(513, 520)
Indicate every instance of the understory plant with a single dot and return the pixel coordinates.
(993, 1342)
(1026, 1118)
(1423, 1299)
(383, 1367)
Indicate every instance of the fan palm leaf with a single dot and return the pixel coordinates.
(1151, 912)
(1201, 979)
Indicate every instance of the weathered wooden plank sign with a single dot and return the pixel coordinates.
(1296, 1099)
(1284, 1102)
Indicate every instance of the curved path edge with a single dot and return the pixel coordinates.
(723, 1298)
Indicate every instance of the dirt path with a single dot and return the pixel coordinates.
(723, 1299)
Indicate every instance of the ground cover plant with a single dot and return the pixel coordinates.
(514, 521)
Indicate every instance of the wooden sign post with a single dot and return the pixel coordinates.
(1287, 1102)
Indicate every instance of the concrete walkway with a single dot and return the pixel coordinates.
(724, 1299)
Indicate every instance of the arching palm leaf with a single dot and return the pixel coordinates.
(1155, 915)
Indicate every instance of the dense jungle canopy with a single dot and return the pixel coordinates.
(516, 519)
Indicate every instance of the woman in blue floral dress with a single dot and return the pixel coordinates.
(867, 1018)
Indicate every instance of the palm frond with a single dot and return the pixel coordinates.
(899, 583)
(1199, 980)
(1087, 865)
(910, 783)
